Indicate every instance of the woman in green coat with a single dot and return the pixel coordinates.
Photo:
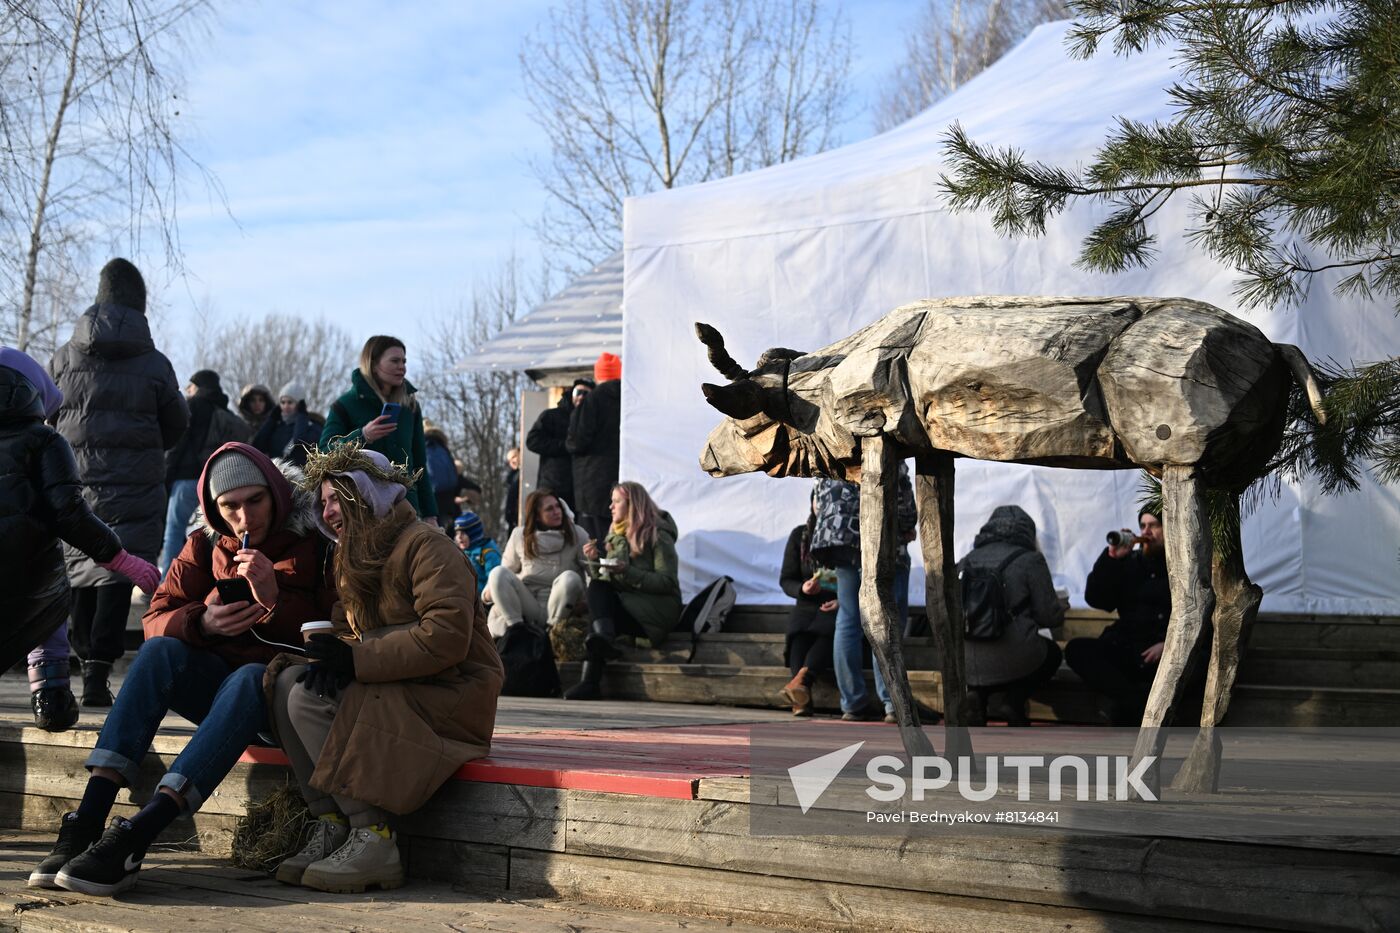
(636, 589)
(358, 416)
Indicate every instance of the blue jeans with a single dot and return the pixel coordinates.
(226, 702)
(184, 498)
(849, 643)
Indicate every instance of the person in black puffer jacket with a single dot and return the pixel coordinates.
(1020, 661)
(549, 437)
(1122, 662)
(122, 409)
(40, 503)
(595, 427)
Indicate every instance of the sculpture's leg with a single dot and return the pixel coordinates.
(1186, 528)
(879, 506)
(1236, 604)
(934, 490)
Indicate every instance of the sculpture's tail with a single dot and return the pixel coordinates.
(1303, 373)
(719, 356)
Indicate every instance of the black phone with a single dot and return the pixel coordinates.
(391, 411)
(234, 590)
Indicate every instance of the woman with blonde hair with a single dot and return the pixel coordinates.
(636, 590)
(540, 579)
(381, 412)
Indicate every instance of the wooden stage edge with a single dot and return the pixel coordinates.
(649, 806)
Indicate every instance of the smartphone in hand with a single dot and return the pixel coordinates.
(391, 411)
(234, 590)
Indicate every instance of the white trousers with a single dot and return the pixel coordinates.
(512, 601)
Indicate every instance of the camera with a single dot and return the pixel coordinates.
(1121, 538)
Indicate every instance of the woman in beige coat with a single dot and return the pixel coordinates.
(540, 579)
(400, 696)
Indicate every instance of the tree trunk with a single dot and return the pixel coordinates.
(41, 199)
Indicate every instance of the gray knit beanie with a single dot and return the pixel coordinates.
(292, 390)
(230, 470)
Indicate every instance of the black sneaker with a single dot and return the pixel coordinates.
(108, 868)
(55, 709)
(74, 837)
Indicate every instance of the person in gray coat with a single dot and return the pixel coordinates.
(122, 409)
(1021, 661)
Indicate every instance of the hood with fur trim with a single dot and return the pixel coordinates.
(295, 506)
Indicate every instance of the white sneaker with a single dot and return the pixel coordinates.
(366, 860)
(326, 837)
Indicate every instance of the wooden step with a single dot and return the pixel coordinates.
(755, 649)
(1321, 667)
(1257, 705)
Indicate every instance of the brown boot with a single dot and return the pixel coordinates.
(797, 693)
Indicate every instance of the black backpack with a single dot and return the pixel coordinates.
(707, 611)
(529, 662)
(986, 613)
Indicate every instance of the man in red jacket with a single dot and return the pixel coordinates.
(203, 658)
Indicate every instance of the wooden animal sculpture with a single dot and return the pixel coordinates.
(1180, 388)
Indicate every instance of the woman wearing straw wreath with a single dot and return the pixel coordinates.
(399, 695)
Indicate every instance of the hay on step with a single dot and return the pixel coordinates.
(273, 829)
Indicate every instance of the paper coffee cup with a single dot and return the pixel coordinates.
(315, 628)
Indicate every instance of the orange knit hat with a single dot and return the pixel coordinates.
(609, 366)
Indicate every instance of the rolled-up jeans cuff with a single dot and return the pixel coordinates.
(102, 758)
(184, 787)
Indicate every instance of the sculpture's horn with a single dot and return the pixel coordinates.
(719, 357)
(741, 399)
(1303, 373)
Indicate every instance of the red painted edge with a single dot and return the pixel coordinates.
(656, 784)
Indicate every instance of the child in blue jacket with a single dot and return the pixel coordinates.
(483, 552)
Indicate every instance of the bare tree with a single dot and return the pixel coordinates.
(279, 349)
(953, 41)
(479, 411)
(88, 104)
(641, 95)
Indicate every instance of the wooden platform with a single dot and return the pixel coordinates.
(648, 806)
(199, 893)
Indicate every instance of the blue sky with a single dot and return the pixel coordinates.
(374, 156)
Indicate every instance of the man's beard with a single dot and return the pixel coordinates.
(1153, 549)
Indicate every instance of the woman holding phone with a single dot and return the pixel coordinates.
(381, 411)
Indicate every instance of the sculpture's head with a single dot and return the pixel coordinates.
(776, 422)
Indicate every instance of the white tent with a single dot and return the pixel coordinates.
(805, 253)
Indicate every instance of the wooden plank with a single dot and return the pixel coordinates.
(179, 891)
(1159, 877)
(774, 899)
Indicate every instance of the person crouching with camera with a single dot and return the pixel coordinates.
(204, 658)
(1130, 577)
(400, 695)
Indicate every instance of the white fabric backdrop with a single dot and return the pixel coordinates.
(803, 254)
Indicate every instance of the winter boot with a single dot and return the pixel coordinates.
(96, 690)
(326, 837)
(367, 859)
(600, 642)
(51, 698)
(590, 685)
(798, 694)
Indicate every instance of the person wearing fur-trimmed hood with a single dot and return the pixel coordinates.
(401, 695)
(204, 658)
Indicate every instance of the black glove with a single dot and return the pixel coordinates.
(333, 654)
(323, 681)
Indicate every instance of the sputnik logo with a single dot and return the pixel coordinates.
(811, 778)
